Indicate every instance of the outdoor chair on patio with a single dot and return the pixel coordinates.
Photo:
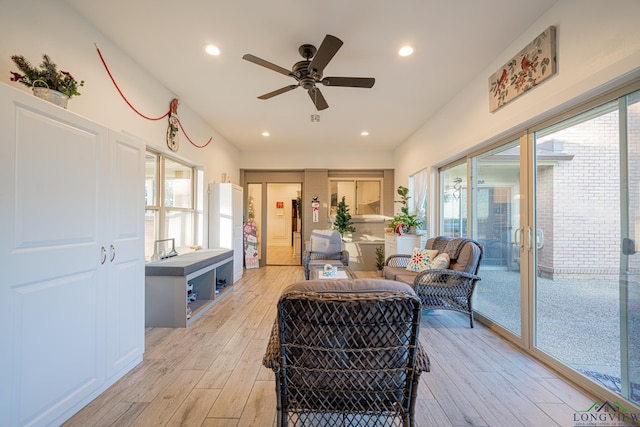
(443, 289)
(325, 247)
(346, 352)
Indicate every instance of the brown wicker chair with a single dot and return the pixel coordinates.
(347, 353)
(450, 289)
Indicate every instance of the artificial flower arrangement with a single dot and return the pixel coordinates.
(47, 75)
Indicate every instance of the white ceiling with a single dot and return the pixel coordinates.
(453, 39)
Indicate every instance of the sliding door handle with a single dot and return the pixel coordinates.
(628, 246)
(517, 238)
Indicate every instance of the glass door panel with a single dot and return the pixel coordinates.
(495, 217)
(630, 256)
(453, 212)
(254, 212)
(577, 243)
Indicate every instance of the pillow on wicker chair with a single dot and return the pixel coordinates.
(441, 262)
(420, 259)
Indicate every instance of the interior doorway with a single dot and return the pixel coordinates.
(283, 224)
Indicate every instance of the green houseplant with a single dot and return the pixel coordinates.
(404, 219)
(343, 223)
(380, 259)
(45, 79)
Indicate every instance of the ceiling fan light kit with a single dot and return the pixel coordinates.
(308, 73)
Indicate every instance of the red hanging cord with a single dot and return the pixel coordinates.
(139, 113)
(189, 139)
(124, 97)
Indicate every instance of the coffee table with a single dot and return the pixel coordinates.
(343, 273)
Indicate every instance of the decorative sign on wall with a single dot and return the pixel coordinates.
(172, 130)
(532, 65)
(315, 209)
(250, 245)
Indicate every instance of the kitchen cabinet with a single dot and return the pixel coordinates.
(395, 244)
(225, 222)
(72, 259)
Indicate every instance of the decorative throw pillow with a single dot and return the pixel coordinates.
(441, 262)
(420, 259)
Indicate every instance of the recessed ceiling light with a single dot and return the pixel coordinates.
(364, 133)
(405, 51)
(212, 50)
(265, 133)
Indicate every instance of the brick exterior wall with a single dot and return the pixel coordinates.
(578, 202)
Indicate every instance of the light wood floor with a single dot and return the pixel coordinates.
(211, 374)
(282, 255)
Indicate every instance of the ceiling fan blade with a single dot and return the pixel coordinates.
(318, 99)
(277, 92)
(266, 64)
(349, 81)
(326, 51)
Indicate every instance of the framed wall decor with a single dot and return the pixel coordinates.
(531, 66)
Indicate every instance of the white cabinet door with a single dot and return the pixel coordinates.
(125, 283)
(238, 235)
(52, 290)
(71, 257)
(225, 222)
(394, 244)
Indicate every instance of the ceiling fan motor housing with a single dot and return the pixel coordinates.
(308, 72)
(307, 51)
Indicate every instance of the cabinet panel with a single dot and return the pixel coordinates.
(394, 244)
(125, 317)
(225, 222)
(71, 298)
(41, 311)
(52, 293)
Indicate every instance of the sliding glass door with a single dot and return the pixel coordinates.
(453, 209)
(630, 258)
(586, 305)
(495, 218)
(558, 214)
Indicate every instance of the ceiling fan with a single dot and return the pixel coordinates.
(308, 73)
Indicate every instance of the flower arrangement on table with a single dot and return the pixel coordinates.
(47, 75)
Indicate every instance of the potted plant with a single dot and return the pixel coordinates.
(46, 82)
(343, 223)
(380, 260)
(404, 222)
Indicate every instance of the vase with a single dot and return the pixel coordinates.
(53, 96)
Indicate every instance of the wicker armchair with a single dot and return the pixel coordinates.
(346, 352)
(450, 289)
(325, 247)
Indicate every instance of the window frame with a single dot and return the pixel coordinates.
(354, 209)
(195, 233)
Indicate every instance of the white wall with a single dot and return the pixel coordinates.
(317, 159)
(598, 41)
(598, 45)
(32, 27)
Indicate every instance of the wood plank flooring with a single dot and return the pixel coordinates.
(282, 255)
(211, 375)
